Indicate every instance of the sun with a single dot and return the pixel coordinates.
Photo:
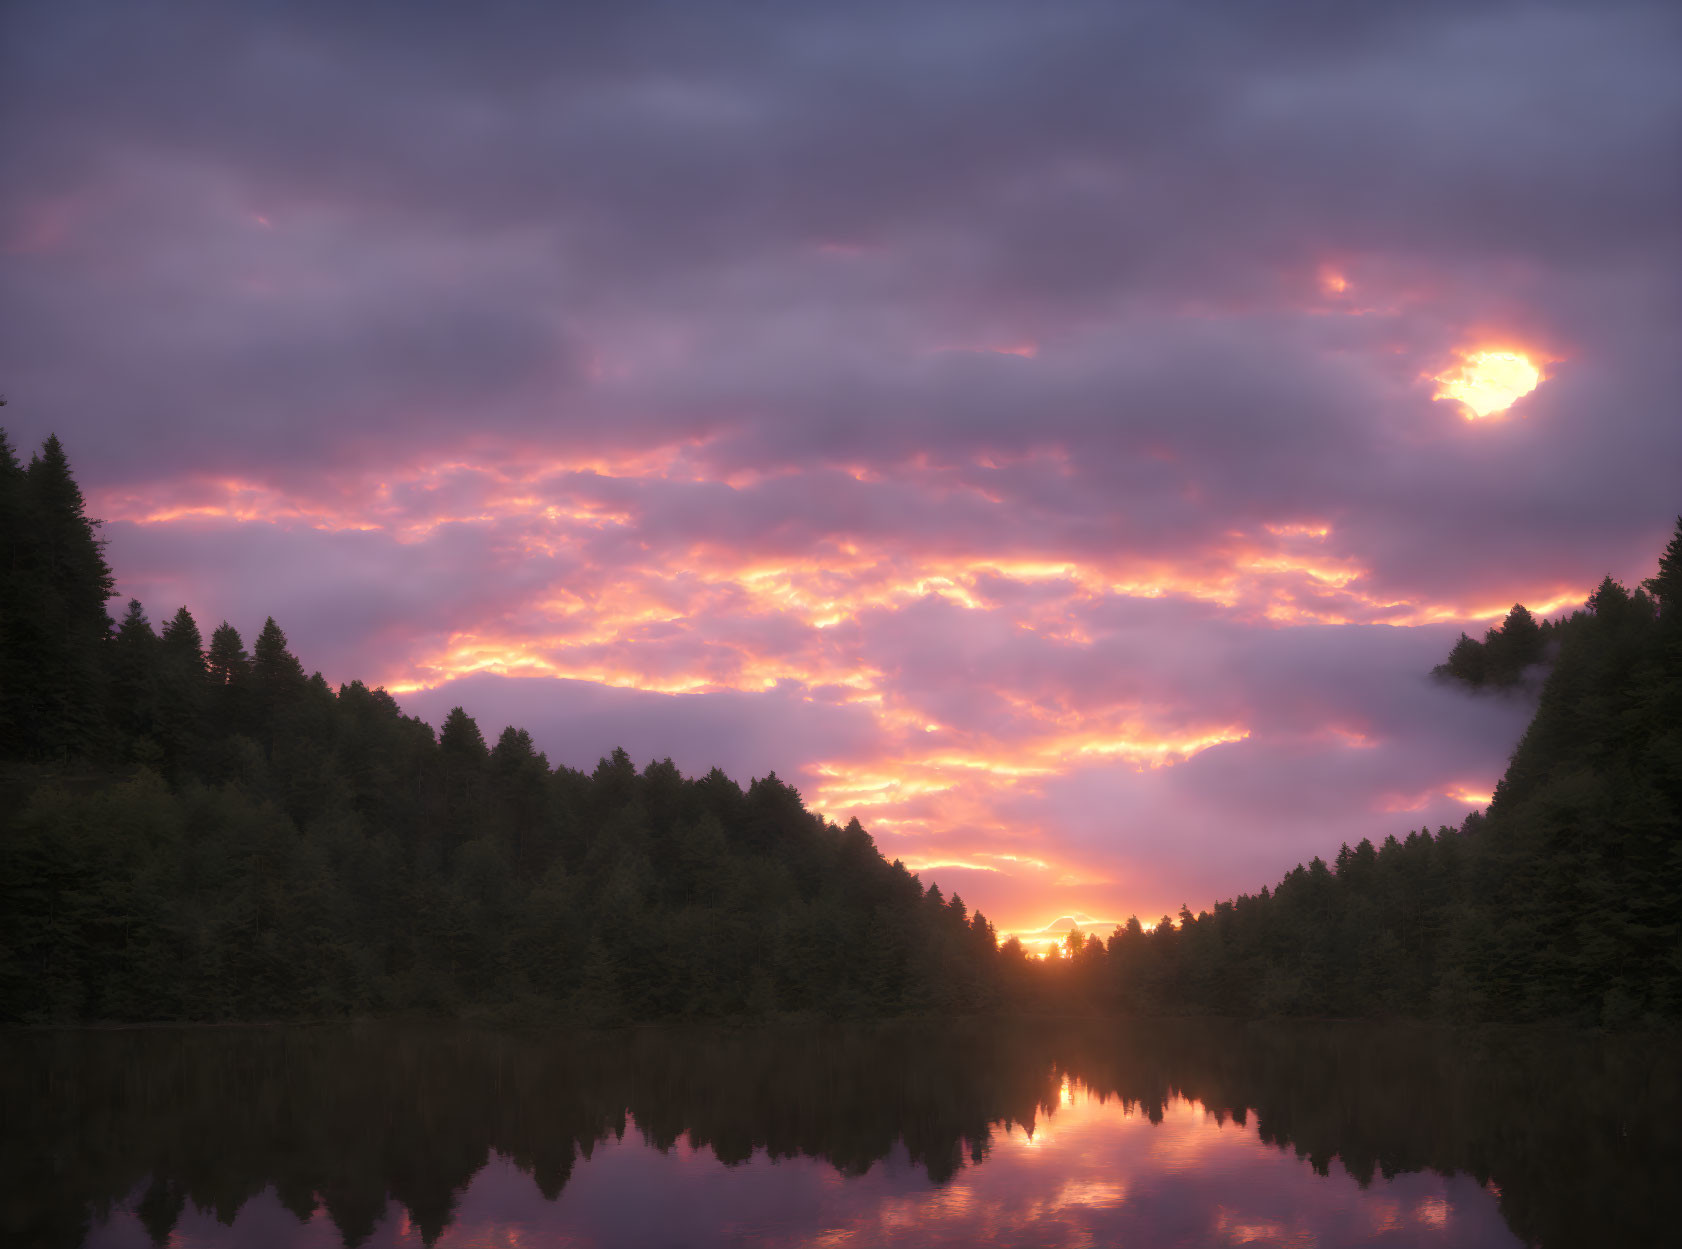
(1488, 382)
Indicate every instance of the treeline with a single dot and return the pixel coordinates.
(192, 831)
(199, 832)
(1519, 644)
(1562, 902)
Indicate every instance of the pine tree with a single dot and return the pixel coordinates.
(60, 622)
(183, 691)
(1517, 645)
(277, 685)
(1666, 587)
(183, 642)
(132, 661)
(276, 674)
(1466, 662)
(227, 662)
(463, 762)
(228, 670)
(514, 750)
(67, 545)
(13, 558)
(461, 739)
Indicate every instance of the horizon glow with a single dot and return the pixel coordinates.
(1062, 496)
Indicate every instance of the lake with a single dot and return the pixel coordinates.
(1141, 1133)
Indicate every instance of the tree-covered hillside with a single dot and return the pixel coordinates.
(193, 831)
(1562, 901)
(199, 832)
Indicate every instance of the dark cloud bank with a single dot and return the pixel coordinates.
(944, 282)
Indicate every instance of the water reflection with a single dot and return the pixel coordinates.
(1175, 1132)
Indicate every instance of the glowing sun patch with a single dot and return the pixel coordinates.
(1489, 382)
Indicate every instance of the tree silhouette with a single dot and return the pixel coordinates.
(207, 835)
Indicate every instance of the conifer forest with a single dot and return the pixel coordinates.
(196, 828)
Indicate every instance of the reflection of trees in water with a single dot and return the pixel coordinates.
(1579, 1134)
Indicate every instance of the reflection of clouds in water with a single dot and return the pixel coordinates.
(1187, 1135)
(1432, 1212)
(1095, 1172)
(1090, 1193)
(1238, 1230)
(834, 1136)
(1386, 1214)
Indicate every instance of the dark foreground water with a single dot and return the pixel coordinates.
(1160, 1133)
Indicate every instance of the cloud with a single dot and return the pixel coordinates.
(951, 407)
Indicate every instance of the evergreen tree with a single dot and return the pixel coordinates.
(68, 552)
(14, 558)
(57, 624)
(460, 738)
(227, 662)
(184, 693)
(275, 671)
(133, 664)
(463, 766)
(277, 678)
(182, 641)
(1507, 651)
(1515, 646)
(1465, 662)
(231, 697)
(1666, 587)
(277, 697)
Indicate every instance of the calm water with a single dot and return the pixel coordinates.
(1169, 1133)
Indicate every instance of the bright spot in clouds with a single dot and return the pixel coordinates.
(1489, 382)
(860, 434)
(1471, 795)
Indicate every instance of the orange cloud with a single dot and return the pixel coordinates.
(632, 608)
(1471, 795)
(1332, 280)
(1488, 381)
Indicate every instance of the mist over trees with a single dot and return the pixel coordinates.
(1507, 652)
(1562, 902)
(197, 831)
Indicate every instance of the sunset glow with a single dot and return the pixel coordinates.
(880, 626)
(1075, 509)
(688, 616)
(1471, 796)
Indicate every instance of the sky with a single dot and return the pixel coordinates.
(1062, 436)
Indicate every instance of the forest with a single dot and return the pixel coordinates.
(196, 830)
(205, 832)
(1562, 901)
